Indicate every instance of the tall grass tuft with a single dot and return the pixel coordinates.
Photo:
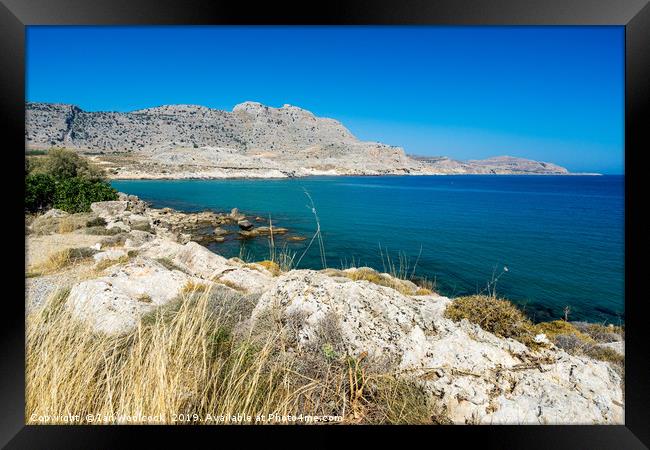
(281, 257)
(318, 236)
(176, 361)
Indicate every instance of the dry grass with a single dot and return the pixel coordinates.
(178, 363)
(584, 339)
(106, 263)
(370, 275)
(606, 354)
(556, 328)
(193, 287)
(271, 266)
(61, 260)
(67, 224)
(493, 314)
(185, 360)
(502, 318)
(170, 265)
(229, 284)
(423, 291)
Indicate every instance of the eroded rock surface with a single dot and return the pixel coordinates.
(113, 303)
(477, 376)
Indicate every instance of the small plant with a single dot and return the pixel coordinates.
(329, 352)
(271, 266)
(491, 288)
(96, 222)
(423, 291)
(145, 298)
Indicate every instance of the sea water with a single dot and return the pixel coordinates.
(544, 242)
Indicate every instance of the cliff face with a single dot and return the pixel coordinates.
(189, 140)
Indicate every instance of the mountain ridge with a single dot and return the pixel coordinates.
(194, 141)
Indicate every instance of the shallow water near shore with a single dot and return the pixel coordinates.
(560, 237)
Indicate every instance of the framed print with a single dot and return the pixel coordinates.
(422, 214)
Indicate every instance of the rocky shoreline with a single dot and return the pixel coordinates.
(125, 260)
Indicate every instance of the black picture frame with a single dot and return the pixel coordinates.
(634, 15)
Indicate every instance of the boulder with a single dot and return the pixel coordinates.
(119, 225)
(470, 374)
(198, 261)
(113, 304)
(137, 238)
(110, 255)
(245, 225)
(218, 231)
(267, 230)
(235, 214)
(138, 222)
(109, 210)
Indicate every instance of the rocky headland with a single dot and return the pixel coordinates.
(251, 141)
(125, 260)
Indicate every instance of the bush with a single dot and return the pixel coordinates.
(495, 315)
(76, 194)
(64, 180)
(39, 192)
(63, 164)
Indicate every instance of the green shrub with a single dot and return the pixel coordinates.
(35, 152)
(39, 192)
(76, 194)
(65, 180)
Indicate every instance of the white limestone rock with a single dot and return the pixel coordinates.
(113, 303)
(476, 376)
(198, 261)
(109, 210)
(109, 255)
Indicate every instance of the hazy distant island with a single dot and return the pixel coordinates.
(252, 141)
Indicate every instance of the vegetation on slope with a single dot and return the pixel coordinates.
(503, 318)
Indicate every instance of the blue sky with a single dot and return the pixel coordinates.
(549, 93)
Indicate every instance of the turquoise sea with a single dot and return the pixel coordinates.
(561, 238)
